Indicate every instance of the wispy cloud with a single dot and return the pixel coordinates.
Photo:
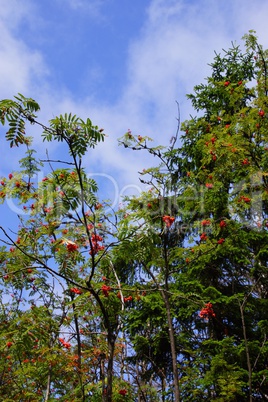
(164, 61)
(21, 67)
(92, 7)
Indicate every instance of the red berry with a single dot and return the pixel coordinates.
(71, 247)
(209, 185)
(76, 291)
(168, 220)
(129, 298)
(105, 290)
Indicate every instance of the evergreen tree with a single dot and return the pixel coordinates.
(165, 300)
(211, 258)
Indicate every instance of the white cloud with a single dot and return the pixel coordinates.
(172, 54)
(21, 68)
(168, 57)
(13, 11)
(92, 7)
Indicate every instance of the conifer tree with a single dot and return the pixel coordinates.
(211, 258)
(165, 300)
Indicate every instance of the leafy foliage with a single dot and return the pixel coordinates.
(167, 298)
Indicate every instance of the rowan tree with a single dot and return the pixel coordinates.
(60, 310)
(166, 299)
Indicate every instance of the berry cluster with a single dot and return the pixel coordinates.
(207, 311)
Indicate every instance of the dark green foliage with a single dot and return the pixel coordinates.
(166, 300)
(210, 264)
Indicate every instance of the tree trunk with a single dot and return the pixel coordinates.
(172, 347)
(247, 350)
(111, 347)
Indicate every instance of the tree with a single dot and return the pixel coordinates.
(165, 299)
(226, 150)
(211, 258)
(61, 313)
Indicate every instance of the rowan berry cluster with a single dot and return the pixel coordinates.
(207, 311)
(67, 345)
(168, 220)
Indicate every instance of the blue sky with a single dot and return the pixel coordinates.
(122, 63)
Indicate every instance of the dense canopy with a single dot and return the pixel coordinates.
(164, 299)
